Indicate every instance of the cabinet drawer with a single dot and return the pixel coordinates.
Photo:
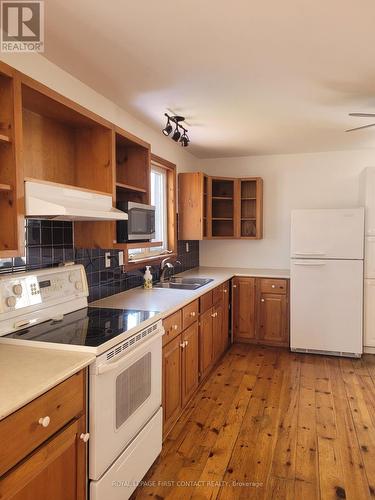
(273, 286)
(190, 314)
(205, 302)
(172, 326)
(218, 293)
(21, 432)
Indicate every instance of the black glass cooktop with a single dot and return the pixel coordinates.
(91, 326)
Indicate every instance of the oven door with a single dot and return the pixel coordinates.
(141, 221)
(124, 395)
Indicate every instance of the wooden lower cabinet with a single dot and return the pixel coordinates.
(43, 462)
(190, 356)
(56, 470)
(205, 342)
(243, 293)
(272, 318)
(261, 311)
(172, 381)
(190, 362)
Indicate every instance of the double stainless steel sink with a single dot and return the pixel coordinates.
(183, 283)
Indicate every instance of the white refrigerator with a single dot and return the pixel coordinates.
(327, 248)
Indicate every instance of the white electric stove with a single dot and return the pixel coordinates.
(48, 308)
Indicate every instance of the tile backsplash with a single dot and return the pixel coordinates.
(50, 243)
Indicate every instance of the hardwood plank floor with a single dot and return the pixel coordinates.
(270, 424)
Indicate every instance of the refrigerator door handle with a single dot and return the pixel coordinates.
(308, 254)
(309, 264)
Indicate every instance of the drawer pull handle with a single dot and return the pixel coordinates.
(44, 421)
(192, 314)
(182, 345)
(85, 437)
(175, 327)
(273, 286)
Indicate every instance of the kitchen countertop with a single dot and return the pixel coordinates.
(28, 372)
(167, 301)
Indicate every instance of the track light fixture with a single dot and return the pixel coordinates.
(176, 136)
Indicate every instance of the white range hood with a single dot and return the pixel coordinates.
(48, 200)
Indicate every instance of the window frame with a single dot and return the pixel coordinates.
(171, 188)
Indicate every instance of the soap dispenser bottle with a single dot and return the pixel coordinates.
(147, 279)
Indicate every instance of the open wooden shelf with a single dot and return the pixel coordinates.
(5, 188)
(222, 197)
(246, 199)
(222, 218)
(5, 138)
(129, 187)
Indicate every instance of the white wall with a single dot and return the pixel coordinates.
(39, 68)
(316, 180)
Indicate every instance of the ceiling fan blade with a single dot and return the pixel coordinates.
(359, 128)
(364, 115)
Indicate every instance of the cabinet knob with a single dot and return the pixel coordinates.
(225, 290)
(273, 286)
(182, 345)
(85, 437)
(186, 343)
(175, 327)
(192, 314)
(262, 300)
(234, 286)
(44, 421)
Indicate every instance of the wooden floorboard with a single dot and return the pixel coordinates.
(270, 424)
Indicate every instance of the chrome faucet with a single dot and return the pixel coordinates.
(166, 265)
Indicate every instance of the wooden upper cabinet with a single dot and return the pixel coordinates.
(243, 308)
(192, 206)
(64, 144)
(219, 207)
(11, 179)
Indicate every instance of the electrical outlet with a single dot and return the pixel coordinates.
(121, 258)
(107, 259)
(187, 247)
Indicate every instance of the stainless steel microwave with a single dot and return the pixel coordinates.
(140, 225)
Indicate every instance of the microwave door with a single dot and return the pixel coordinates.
(138, 224)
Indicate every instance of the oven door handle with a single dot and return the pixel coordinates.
(108, 367)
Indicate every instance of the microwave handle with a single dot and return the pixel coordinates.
(152, 222)
(113, 365)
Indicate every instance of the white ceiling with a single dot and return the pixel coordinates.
(252, 77)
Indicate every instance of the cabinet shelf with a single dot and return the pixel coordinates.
(248, 199)
(248, 218)
(129, 187)
(222, 218)
(222, 197)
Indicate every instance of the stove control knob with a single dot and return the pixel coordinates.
(11, 301)
(78, 285)
(17, 290)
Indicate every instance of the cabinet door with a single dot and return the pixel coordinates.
(225, 324)
(190, 365)
(244, 309)
(57, 470)
(272, 319)
(172, 377)
(217, 330)
(205, 342)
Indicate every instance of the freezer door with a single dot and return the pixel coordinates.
(327, 305)
(327, 234)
